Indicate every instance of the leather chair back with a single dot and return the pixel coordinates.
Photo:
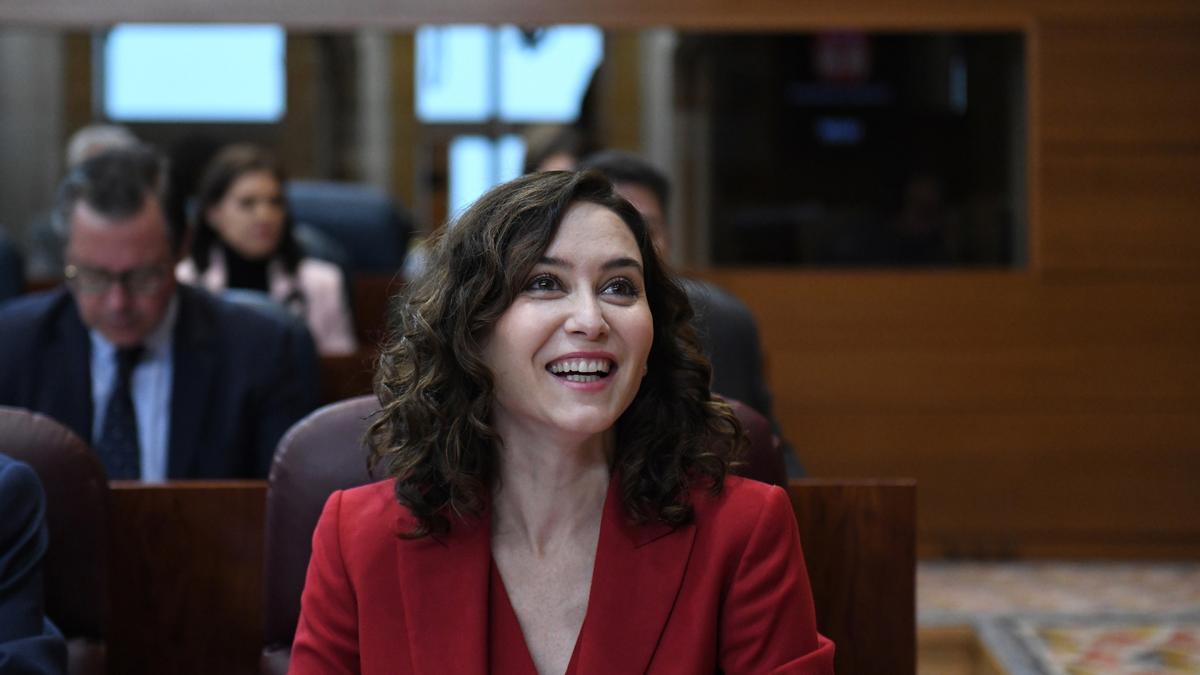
(324, 452)
(764, 458)
(371, 227)
(75, 568)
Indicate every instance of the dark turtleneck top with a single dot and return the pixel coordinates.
(242, 272)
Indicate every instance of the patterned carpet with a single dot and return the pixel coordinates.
(1072, 618)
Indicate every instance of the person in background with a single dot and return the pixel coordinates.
(244, 237)
(559, 497)
(46, 240)
(12, 278)
(726, 327)
(552, 147)
(164, 381)
(29, 643)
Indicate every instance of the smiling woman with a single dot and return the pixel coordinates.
(547, 423)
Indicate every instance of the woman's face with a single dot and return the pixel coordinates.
(249, 217)
(568, 355)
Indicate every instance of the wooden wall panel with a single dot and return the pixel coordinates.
(1123, 81)
(1130, 209)
(1118, 123)
(1005, 484)
(1039, 416)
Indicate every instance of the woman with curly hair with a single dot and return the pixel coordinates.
(558, 498)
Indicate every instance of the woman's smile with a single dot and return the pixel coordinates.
(584, 371)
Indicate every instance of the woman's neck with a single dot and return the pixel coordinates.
(548, 493)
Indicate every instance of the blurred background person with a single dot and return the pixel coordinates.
(12, 278)
(29, 643)
(45, 255)
(726, 327)
(244, 237)
(553, 147)
(164, 381)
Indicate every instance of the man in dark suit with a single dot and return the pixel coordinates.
(28, 642)
(165, 381)
(724, 324)
(12, 274)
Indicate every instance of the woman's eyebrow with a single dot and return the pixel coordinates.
(615, 263)
(623, 261)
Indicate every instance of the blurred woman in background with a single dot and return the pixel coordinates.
(242, 237)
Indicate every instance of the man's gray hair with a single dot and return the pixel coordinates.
(94, 139)
(115, 184)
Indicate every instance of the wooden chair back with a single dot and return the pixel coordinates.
(859, 540)
(188, 587)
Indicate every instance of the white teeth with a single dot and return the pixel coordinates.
(586, 366)
(575, 377)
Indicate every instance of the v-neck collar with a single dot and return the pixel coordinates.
(508, 653)
(636, 579)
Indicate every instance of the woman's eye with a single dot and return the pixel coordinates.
(621, 287)
(543, 283)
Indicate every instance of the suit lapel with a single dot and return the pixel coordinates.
(635, 581)
(193, 368)
(445, 595)
(68, 375)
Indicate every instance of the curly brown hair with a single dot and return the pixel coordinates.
(433, 434)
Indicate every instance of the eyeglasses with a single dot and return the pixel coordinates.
(137, 281)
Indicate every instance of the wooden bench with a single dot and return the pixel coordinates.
(187, 579)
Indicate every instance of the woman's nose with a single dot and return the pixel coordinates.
(587, 318)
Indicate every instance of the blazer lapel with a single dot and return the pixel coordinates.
(635, 581)
(193, 368)
(445, 595)
(68, 375)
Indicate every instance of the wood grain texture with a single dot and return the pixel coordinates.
(953, 650)
(371, 297)
(1131, 208)
(187, 587)
(1112, 82)
(859, 547)
(344, 377)
(186, 577)
(1040, 417)
(1118, 124)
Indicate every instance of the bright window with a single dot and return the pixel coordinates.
(190, 73)
(477, 163)
(476, 73)
(491, 79)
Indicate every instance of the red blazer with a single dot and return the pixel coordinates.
(727, 592)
